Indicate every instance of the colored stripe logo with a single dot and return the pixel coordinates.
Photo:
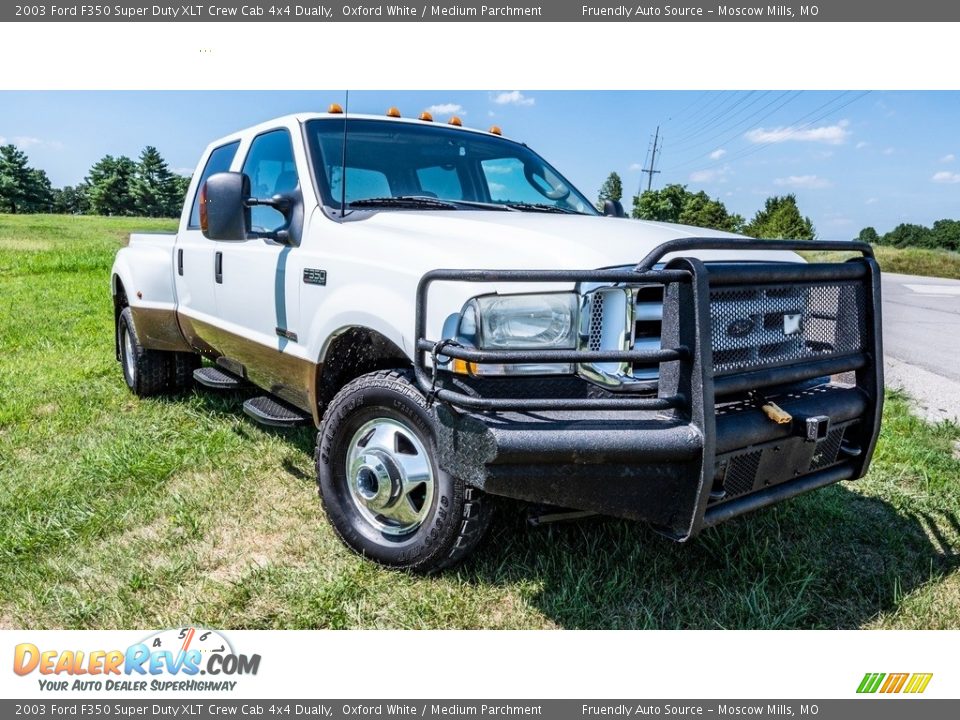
(912, 683)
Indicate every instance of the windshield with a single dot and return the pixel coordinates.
(397, 165)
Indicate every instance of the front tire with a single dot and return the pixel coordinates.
(151, 372)
(380, 482)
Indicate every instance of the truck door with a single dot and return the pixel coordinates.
(259, 285)
(195, 261)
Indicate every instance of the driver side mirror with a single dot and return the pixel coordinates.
(224, 212)
(613, 208)
(225, 204)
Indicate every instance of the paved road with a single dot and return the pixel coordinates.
(921, 336)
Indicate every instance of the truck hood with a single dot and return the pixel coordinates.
(417, 241)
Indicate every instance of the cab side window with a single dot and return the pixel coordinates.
(272, 171)
(218, 162)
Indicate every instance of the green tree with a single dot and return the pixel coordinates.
(674, 203)
(153, 189)
(71, 200)
(661, 205)
(907, 235)
(780, 218)
(701, 211)
(612, 189)
(23, 189)
(110, 181)
(946, 234)
(181, 185)
(869, 235)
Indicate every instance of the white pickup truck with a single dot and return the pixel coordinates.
(460, 323)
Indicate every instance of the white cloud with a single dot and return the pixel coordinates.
(829, 134)
(717, 154)
(514, 97)
(497, 169)
(25, 142)
(872, 201)
(636, 166)
(889, 151)
(809, 182)
(862, 144)
(711, 175)
(446, 109)
(945, 176)
(948, 158)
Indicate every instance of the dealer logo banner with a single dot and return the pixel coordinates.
(912, 683)
(168, 660)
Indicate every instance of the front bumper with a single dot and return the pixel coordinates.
(701, 450)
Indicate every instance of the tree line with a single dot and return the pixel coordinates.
(945, 234)
(113, 186)
(780, 217)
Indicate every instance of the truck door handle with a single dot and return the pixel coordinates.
(218, 268)
(180, 261)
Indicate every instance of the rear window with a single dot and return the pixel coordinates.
(219, 161)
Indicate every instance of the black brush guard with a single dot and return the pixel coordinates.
(700, 451)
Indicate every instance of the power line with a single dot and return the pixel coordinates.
(750, 151)
(752, 118)
(723, 111)
(745, 152)
(651, 170)
(730, 124)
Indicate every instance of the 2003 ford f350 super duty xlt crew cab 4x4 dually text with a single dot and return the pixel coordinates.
(461, 323)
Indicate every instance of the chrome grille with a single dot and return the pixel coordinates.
(776, 325)
(618, 318)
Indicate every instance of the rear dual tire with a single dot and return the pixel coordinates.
(151, 372)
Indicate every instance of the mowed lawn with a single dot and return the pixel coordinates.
(118, 513)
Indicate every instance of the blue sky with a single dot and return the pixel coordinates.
(852, 158)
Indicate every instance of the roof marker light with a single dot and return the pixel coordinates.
(454, 120)
(495, 130)
(335, 109)
(426, 117)
(393, 111)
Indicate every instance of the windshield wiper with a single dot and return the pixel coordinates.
(484, 205)
(421, 202)
(541, 207)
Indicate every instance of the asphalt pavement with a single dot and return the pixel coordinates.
(921, 338)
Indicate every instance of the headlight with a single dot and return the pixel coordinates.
(546, 321)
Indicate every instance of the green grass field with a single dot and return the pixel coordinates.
(121, 513)
(909, 261)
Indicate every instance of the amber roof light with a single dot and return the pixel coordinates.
(454, 120)
(335, 109)
(393, 112)
(495, 130)
(426, 117)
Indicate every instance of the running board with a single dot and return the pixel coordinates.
(267, 411)
(214, 377)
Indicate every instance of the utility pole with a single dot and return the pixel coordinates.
(650, 171)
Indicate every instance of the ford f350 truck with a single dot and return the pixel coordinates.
(460, 323)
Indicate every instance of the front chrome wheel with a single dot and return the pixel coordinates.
(390, 476)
